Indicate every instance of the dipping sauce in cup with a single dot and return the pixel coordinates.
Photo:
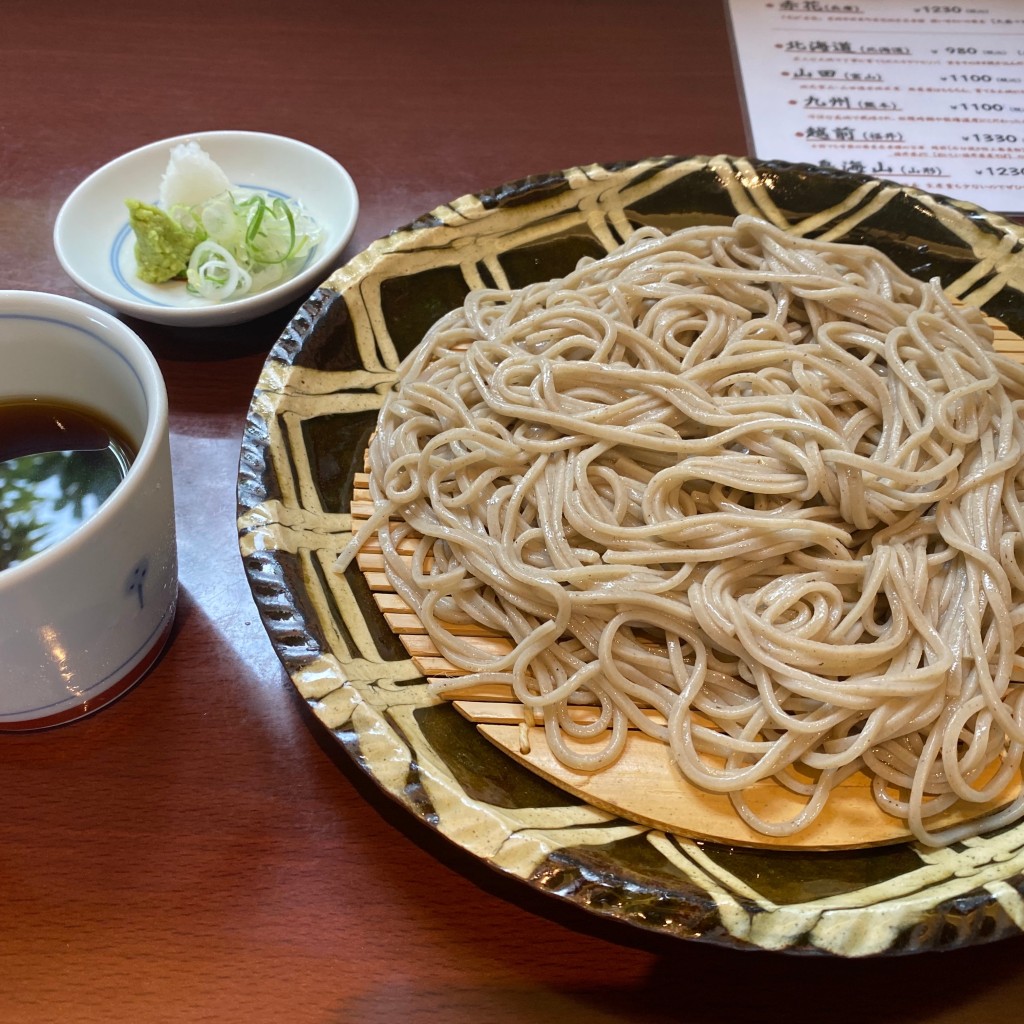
(58, 464)
(88, 564)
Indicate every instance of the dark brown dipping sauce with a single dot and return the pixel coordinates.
(58, 464)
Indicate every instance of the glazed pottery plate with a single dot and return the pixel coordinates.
(311, 416)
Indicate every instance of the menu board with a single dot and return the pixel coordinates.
(930, 95)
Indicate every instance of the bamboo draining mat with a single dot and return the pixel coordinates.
(643, 785)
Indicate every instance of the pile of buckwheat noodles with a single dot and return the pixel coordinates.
(770, 487)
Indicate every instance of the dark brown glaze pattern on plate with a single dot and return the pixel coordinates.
(307, 427)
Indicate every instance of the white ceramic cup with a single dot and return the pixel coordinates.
(83, 620)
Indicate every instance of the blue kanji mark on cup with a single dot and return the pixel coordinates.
(135, 580)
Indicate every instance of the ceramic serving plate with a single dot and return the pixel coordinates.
(96, 246)
(308, 424)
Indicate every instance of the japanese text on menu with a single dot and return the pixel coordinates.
(930, 95)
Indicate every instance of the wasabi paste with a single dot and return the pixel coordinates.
(162, 245)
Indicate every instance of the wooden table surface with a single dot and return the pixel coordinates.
(192, 853)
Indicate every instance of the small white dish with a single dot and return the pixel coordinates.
(96, 246)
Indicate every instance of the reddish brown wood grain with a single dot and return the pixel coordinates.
(191, 853)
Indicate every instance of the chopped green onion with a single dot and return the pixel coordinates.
(252, 241)
(214, 273)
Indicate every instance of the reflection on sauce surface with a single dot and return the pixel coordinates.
(58, 464)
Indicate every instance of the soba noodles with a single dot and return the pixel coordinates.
(767, 486)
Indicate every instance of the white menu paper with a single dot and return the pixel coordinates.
(930, 95)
